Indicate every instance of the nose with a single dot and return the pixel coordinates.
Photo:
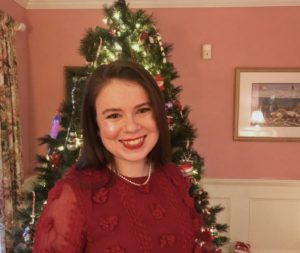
(132, 124)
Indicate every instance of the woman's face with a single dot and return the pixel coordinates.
(126, 122)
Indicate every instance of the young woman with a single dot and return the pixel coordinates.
(122, 195)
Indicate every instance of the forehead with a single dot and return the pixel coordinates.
(118, 92)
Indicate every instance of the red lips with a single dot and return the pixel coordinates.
(135, 143)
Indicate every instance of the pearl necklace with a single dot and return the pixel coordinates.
(134, 183)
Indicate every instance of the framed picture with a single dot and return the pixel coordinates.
(267, 104)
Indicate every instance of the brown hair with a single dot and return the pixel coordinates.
(93, 152)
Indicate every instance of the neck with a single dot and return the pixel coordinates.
(133, 169)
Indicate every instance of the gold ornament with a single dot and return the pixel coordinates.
(73, 142)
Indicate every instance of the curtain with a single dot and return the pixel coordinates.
(10, 148)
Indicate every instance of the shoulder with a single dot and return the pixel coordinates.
(90, 178)
(78, 186)
(173, 172)
(181, 183)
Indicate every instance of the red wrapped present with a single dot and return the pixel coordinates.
(242, 247)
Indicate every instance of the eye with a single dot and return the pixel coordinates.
(144, 109)
(113, 116)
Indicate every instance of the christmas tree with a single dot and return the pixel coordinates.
(127, 35)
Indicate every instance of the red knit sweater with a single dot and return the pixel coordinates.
(86, 213)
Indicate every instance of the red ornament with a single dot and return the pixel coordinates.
(160, 82)
(55, 160)
(143, 37)
(112, 32)
(205, 235)
(170, 121)
(242, 247)
(186, 168)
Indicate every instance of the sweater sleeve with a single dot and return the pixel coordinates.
(60, 228)
(203, 235)
(182, 184)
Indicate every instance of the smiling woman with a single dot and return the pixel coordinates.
(122, 184)
(126, 126)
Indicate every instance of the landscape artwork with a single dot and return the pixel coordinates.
(275, 104)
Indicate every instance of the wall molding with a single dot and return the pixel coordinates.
(23, 3)
(264, 213)
(98, 4)
(251, 182)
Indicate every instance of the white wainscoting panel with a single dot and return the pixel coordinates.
(264, 213)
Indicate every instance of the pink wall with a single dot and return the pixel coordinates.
(19, 14)
(248, 37)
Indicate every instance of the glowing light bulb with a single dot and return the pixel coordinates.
(135, 47)
(137, 25)
(117, 15)
(78, 142)
(61, 148)
(112, 57)
(104, 20)
(118, 47)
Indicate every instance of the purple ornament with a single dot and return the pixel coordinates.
(55, 126)
(169, 105)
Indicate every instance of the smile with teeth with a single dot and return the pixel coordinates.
(134, 143)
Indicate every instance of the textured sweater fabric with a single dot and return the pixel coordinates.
(88, 212)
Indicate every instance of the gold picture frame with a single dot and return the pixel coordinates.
(267, 104)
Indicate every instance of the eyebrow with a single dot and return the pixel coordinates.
(109, 110)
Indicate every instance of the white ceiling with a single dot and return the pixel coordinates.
(97, 4)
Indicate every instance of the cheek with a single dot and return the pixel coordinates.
(152, 126)
(108, 130)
